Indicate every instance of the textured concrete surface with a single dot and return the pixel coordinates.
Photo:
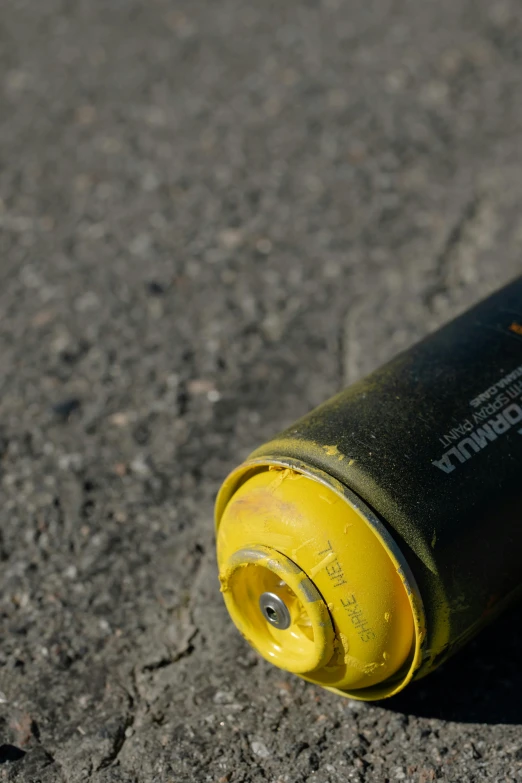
(212, 216)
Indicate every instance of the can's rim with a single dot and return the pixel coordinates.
(401, 678)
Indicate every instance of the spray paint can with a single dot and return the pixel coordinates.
(365, 544)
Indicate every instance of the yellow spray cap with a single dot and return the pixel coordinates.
(314, 585)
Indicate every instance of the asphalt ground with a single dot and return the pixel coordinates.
(213, 215)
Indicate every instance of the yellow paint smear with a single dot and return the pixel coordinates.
(324, 562)
(333, 451)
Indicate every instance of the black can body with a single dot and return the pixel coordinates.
(432, 443)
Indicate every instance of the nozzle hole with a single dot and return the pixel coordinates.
(275, 611)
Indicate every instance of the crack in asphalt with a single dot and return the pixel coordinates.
(456, 236)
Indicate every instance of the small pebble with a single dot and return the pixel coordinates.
(260, 749)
